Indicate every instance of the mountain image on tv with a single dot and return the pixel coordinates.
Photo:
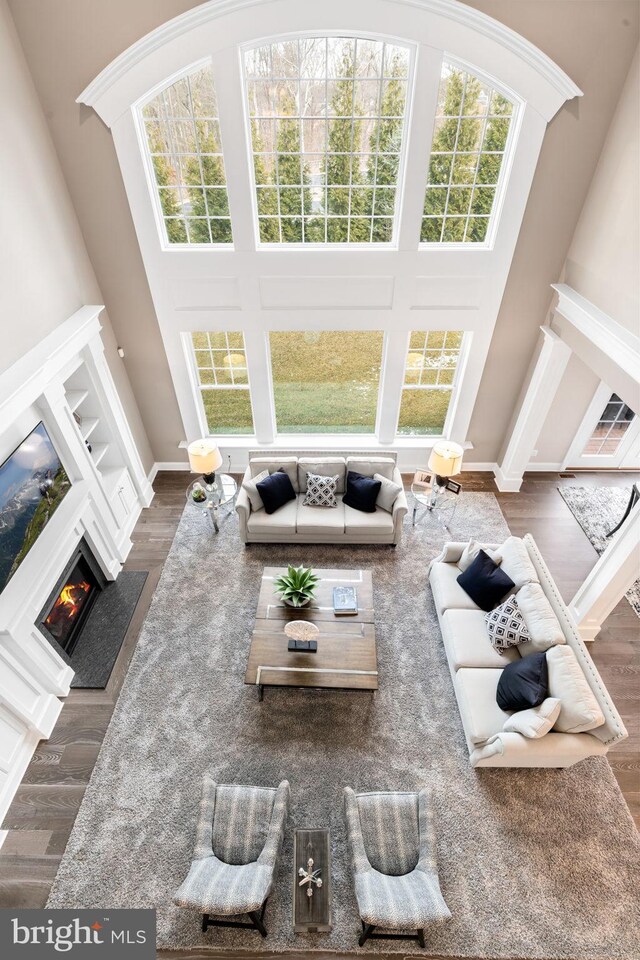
(32, 484)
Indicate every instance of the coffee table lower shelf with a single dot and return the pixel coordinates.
(327, 678)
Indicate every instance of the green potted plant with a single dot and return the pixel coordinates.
(296, 586)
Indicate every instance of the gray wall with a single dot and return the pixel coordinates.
(45, 271)
(68, 44)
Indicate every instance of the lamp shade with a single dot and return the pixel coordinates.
(446, 458)
(204, 456)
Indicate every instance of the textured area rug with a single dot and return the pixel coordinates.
(533, 863)
(599, 510)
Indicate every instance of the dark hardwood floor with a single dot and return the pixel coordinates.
(41, 817)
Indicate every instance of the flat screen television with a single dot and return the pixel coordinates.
(33, 483)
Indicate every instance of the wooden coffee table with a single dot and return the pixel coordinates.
(346, 655)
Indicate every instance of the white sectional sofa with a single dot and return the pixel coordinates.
(296, 523)
(476, 668)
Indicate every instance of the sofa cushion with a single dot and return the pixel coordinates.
(524, 683)
(276, 490)
(534, 722)
(476, 692)
(288, 464)
(506, 626)
(283, 521)
(322, 467)
(447, 592)
(378, 523)
(368, 466)
(465, 638)
(362, 492)
(311, 520)
(321, 491)
(485, 582)
(472, 550)
(579, 710)
(389, 491)
(250, 486)
(516, 562)
(543, 625)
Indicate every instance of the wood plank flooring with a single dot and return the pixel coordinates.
(41, 817)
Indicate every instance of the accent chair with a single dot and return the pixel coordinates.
(238, 837)
(393, 860)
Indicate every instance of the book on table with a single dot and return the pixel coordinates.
(345, 601)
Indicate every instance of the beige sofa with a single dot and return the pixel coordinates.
(476, 668)
(297, 523)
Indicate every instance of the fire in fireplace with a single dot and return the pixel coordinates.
(74, 594)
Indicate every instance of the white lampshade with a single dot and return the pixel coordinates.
(446, 458)
(204, 456)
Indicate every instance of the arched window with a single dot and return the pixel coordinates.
(327, 120)
(470, 139)
(182, 136)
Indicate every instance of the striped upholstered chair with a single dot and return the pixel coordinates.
(238, 837)
(393, 861)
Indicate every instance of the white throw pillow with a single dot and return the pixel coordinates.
(580, 711)
(506, 626)
(543, 625)
(536, 721)
(321, 491)
(389, 491)
(516, 562)
(472, 550)
(251, 486)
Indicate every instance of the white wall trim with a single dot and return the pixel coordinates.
(549, 72)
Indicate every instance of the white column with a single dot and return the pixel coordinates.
(613, 574)
(547, 374)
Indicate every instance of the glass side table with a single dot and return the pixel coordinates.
(221, 493)
(435, 502)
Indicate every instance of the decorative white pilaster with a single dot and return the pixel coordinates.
(613, 574)
(546, 378)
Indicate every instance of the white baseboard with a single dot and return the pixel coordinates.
(544, 468)
(166, 465)
(19, 764)
(481, 467)
(506, 484)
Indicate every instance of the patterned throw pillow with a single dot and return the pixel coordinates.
(321, 491)
(506, 626)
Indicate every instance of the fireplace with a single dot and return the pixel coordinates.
(72, 598)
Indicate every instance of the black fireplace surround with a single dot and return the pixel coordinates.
(70, 601)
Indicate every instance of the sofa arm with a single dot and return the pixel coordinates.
(450, 553)
(243, 509)
(400, 507)
(552, 750)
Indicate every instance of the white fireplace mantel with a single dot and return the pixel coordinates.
(65, 372)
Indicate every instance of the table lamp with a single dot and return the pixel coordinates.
(445, 461)
(205, 458)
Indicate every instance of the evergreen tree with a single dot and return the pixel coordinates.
(204, 200)
(169, 202)
(385, 143)
(293, 175)
(337, 163)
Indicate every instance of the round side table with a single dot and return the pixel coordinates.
(436, 502)
(220, 494)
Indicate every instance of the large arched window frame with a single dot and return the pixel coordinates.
(396, 290)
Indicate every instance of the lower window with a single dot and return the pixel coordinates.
(326, 382)
(223, 381)
(429, 380)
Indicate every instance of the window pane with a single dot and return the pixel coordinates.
(183, 139)
(430, 368)
(610, 430)
(469, 140)
(221, 369)
(326, 382)
(340, 124)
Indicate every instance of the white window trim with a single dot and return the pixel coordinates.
(576, 459)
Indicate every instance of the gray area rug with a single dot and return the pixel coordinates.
(533, 863)
(598, 510)
(104, 631)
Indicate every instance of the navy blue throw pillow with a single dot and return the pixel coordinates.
(523, 683)
(276, 490)
(485, 582)
(362, 492)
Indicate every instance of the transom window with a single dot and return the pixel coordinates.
(610, 429)
(223, 381)
(326, 382)
(470, 138)
(183, 139)
(429, 378)
(327, 118)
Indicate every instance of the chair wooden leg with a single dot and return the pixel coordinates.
(205, 922)
(367, 930)
(421, 938)
(256, 919)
